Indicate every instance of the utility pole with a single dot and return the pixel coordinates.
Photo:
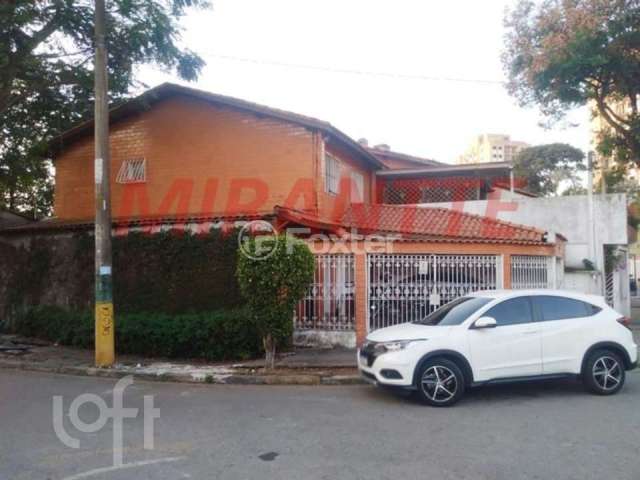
(104, 324)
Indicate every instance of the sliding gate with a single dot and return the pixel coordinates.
(405, 288)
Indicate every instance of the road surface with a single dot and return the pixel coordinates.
(550, 431)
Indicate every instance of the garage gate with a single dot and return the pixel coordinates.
(405, 288)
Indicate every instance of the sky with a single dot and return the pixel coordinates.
(412, 55)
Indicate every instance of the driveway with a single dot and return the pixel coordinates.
(545, 431)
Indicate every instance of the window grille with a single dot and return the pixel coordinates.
(332, 173)
(531, 271)
(132, 171)
(432, 190)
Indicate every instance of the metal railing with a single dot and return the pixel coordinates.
(609, 288)
(329, 303)
(405, 288)
(531, 271)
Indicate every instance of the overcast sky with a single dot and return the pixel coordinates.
(456, 39)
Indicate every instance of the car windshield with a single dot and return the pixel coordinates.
(455, 312)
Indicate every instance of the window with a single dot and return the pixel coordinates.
(559, 308)
(512, 312)
(132, 171)
(357, 187)
(331, 173)
(455, 312)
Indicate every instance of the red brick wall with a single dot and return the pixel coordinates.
(200, 159)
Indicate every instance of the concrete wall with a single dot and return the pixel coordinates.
(568, 216)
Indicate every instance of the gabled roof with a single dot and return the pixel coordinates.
(166, 90)
(422, 224)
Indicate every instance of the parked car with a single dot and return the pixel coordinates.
(503, 336)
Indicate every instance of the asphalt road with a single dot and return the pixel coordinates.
(549, 431)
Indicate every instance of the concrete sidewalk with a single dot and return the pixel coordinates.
(313, 358)
(301, 367)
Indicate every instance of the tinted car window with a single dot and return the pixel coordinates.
(512, 312)
(455, 312)
(559, 308)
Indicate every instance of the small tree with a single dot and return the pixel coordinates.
(274, 273)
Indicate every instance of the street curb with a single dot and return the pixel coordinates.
(212, 379)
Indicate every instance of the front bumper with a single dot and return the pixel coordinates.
(384, 367)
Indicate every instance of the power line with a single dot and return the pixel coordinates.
(403, 76)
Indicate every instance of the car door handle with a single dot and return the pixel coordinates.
(531, 332)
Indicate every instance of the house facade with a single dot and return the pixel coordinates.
(191, 160)
(203, 153)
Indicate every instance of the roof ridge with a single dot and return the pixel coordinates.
(133, 103)
(450, 211)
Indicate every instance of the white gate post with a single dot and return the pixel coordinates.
(500, 272)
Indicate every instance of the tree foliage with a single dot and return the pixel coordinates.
(561, 54)
(274, 274)
(544, 167)
(46, 76)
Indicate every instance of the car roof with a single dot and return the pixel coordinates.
(503, 294)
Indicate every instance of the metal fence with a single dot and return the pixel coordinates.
(431, 190)
(405, 288)
(531, 271)
(329, 302)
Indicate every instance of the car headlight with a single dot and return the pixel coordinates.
(395, 345)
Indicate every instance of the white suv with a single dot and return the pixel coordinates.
(502, 336)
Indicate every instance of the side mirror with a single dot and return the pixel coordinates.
(484, 322)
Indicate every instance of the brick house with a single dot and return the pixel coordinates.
(187, 159)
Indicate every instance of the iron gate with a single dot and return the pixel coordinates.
(329, 301)
(405, 288)
(531, 271)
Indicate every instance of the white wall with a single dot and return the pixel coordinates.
(568, 216)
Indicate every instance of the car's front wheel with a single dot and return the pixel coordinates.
(604, 372)
(440, 382)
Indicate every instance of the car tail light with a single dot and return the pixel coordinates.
(626, 321)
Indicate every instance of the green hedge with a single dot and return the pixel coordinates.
(217, 335)
(170, 272)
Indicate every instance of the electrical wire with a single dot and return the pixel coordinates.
(402, 76)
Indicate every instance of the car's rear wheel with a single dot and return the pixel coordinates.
(440, 382)
(604, 372)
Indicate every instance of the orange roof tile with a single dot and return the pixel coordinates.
(437, 223)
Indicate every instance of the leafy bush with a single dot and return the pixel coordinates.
(274, 273)
(217, 335)
(57, 325)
